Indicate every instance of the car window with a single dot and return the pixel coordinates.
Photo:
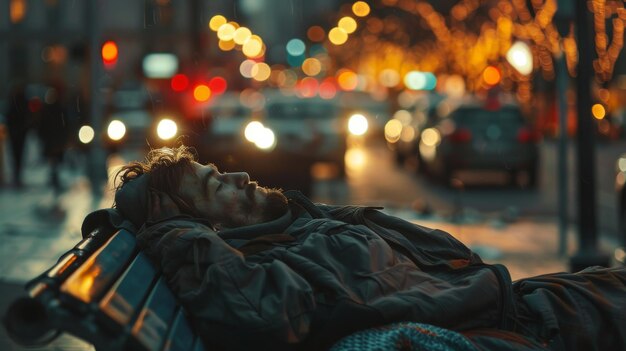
(230, 111)
(478, 116)
(298, 110)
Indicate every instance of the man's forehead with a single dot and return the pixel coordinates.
(199, 172)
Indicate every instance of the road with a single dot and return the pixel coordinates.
(374, 178)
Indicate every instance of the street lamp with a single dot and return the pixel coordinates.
(520, 57)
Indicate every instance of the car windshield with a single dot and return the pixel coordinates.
(302, 109)
(478, 116)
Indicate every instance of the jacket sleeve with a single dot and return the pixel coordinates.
(218, 285)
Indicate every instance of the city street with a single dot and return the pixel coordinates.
(35, 232)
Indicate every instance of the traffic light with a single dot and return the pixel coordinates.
(109, 53)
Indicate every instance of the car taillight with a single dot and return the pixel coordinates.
(460, 136)
(525, 135)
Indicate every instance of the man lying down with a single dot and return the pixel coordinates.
(261, 269)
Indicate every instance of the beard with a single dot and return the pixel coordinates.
(276, 205)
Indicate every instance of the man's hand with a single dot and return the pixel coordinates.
(161, 206)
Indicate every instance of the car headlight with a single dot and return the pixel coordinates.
(86, 134)
(260, 135)
(357, 124)
(116, 130)
(266, 140)
(166, 129)
(253, 130)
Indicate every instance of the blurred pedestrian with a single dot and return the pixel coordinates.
(53, 132)
(19, 121)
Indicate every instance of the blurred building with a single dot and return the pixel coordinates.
(40, 40)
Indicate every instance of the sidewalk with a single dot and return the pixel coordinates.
(34, 234)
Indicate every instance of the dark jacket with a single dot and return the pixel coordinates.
(322, 272)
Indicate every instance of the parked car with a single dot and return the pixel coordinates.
(132, 121)
(310, 129)
(278, 138)
(481, 136)
(405, 127)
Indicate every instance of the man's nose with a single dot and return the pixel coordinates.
(240, 179)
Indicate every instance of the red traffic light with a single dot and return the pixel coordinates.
(109, 53)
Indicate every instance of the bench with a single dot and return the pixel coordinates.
(106, 292)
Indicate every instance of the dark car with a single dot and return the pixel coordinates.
(278, 141)
(481, 136)
(403, 131)
(132, 122)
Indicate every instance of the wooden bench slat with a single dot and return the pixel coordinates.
(92, 279)
(152, 325)
(123, 301)
(180, 337)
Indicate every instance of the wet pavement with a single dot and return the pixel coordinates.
(36, 228)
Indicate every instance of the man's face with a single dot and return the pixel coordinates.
(230, 200)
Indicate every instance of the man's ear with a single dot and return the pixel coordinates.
(161, 206)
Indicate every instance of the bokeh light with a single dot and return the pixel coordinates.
(116, 130)
(598, 111)
(86, 134)
(261, 71)
(241, 35)
(403, 116)
(416, 80)
(201, 93)
(218, 85)
(287, 78)
(347, 80)
(491, 75)
(311, 67)
(226, 45)
(167, 129)
(216, 22)
(316, 34)
(252, 130)
(295, 47)
(431, 137)
(361, 8)
(307, 87)
(253, 47)
(265, 140)
(328, 89)
(226, 32)
(393, 128)
(109, 52)
(348, 24)
(357, 124)
(245, 68)
(179, 82)
(520, 57)
(337, 36)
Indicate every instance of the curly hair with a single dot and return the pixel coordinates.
(165, 165)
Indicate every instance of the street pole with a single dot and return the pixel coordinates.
(588, 253)
(96, 167)
(562, 181)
